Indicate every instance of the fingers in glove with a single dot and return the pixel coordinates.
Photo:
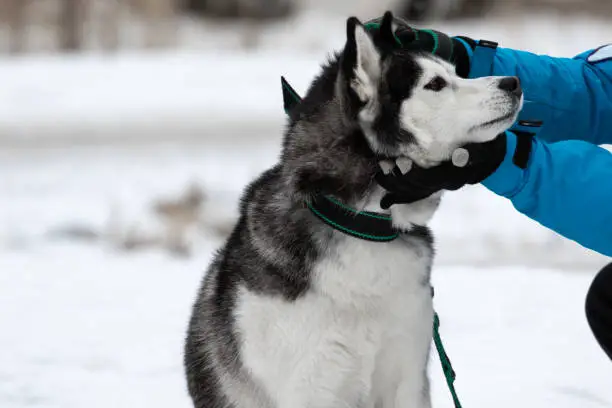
(391, 172)
(409, 195)
(437, 176)
(390, 199)
(390, 181)
(406, 177)
(387, 201)
(396, 168)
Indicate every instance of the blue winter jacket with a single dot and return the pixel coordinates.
(567, 183)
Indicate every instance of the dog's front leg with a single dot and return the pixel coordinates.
(410, 390)
(426, 396)
(413, 394)
(401, 380)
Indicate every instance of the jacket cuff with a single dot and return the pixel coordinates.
(508, 179)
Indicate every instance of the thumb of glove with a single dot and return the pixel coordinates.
(388, 200)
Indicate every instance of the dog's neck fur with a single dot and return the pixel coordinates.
(325, 152)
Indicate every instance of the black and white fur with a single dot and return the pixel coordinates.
(294, 314)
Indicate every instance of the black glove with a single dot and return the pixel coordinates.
(448, 48)
(471, 164)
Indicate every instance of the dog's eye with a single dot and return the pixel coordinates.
(436, 84)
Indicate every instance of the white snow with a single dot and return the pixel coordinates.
(518, 337)
(92, 141)
(89, 327)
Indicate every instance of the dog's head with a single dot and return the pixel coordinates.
(377, 100)
(413, 104)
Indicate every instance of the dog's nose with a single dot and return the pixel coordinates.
(512, 85)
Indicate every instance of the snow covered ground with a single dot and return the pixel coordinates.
(87, 327)
(91, 142)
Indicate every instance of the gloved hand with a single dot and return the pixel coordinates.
(470, 164)
(451, 49)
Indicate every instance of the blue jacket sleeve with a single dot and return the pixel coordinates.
(566, 186)
(572, 97)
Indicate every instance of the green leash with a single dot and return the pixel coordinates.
(447, 367)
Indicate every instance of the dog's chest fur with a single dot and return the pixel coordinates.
(365, 319)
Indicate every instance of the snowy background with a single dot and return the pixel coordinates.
(101, 250)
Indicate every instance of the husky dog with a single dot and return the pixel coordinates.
(293, 313)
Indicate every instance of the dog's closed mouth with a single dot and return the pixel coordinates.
(503, 118)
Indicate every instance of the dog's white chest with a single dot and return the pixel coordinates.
(363, 330)
(386, 287)
(363, 274)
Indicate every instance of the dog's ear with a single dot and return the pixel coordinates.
(387, 31)
(291, 99)
(360, 61)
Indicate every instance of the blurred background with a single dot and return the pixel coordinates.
(128, 129)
